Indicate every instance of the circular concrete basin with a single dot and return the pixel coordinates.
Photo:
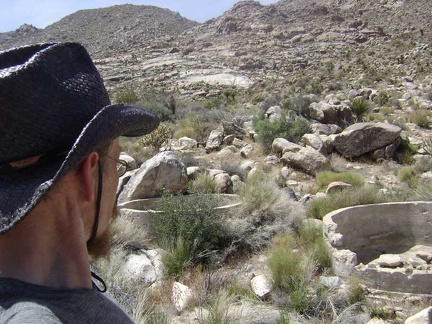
(387, 245)
(139, 211)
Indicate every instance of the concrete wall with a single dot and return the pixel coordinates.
(360, 234)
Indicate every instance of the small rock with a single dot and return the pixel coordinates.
(423, 317)
(389, 261)
(180, 296)
(260, 286)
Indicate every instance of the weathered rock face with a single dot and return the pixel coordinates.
(362, 138)
(281, 145)
(162, 172)
(330, 114)
(306, 159)
(215, 139)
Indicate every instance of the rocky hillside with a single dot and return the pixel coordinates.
(105, 31)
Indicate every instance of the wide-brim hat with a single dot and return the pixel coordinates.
(54, 111)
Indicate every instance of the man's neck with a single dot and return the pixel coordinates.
(47, 249)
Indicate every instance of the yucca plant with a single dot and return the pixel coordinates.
(359, 106)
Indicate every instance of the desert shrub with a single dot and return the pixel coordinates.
(203, 183)
(427, 145)
(312, 239)
(359, 106)
(301, 300)
(196, 125)
(274, 100)
(299, 104)
(376, 310)
(125, 95)
(267, 130)
(409, 175)
(178, 257)
(357, 293)
(156, 107)
(190, 221)
(285, 267)
(319, 207)
(297, 128)
(324, 178)
(258, 194)
(386, 110)
(157, 138)
(382, 98)
(218, 310)
(185, 132)
(405, 152)
(420, 117)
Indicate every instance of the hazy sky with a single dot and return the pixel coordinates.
(41, 13)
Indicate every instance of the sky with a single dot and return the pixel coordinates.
(41, 13)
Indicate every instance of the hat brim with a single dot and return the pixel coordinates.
(21, 191)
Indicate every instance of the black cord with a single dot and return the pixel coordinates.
(95, 279)
(98, 203)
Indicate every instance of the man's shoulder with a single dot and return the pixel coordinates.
(22, 302)
(28, 312)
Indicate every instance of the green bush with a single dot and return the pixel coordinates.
(157, 138)
(319, 207)
(297, 128)
(420, 117)
(357, 293)
(409, 175)
(312, 239)
(203, 183)
(299, 104)
(189, 225)
(285, 268)
(258, 194)
(126, 96)
(324, 178)
(301, 300)
(359, 106)
(156, 107)
(267, 130)
(178, 257)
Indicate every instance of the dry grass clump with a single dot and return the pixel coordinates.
(202, 183)
(295, 260)
(324, 178)
(367, 195)
(420, 117)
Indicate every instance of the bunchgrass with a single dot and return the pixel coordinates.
(217, 310)
(190, 228)
(324, 178)
(312, 239)
(258, 193)
(367, 195)
(420, 117)
(203, 183)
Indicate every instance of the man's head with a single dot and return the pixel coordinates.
(55, 116)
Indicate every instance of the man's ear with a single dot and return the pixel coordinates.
(88, 173)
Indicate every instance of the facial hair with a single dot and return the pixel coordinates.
(100, 247)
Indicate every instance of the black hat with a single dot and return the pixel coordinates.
(54, 111)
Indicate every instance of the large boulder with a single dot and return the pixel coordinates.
(163, 172)
(327, 113)
(424, 317)
(362, 138)
(282, 145)
(215, 139)
(306, 159)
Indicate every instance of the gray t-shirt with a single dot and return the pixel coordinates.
(21, 302)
